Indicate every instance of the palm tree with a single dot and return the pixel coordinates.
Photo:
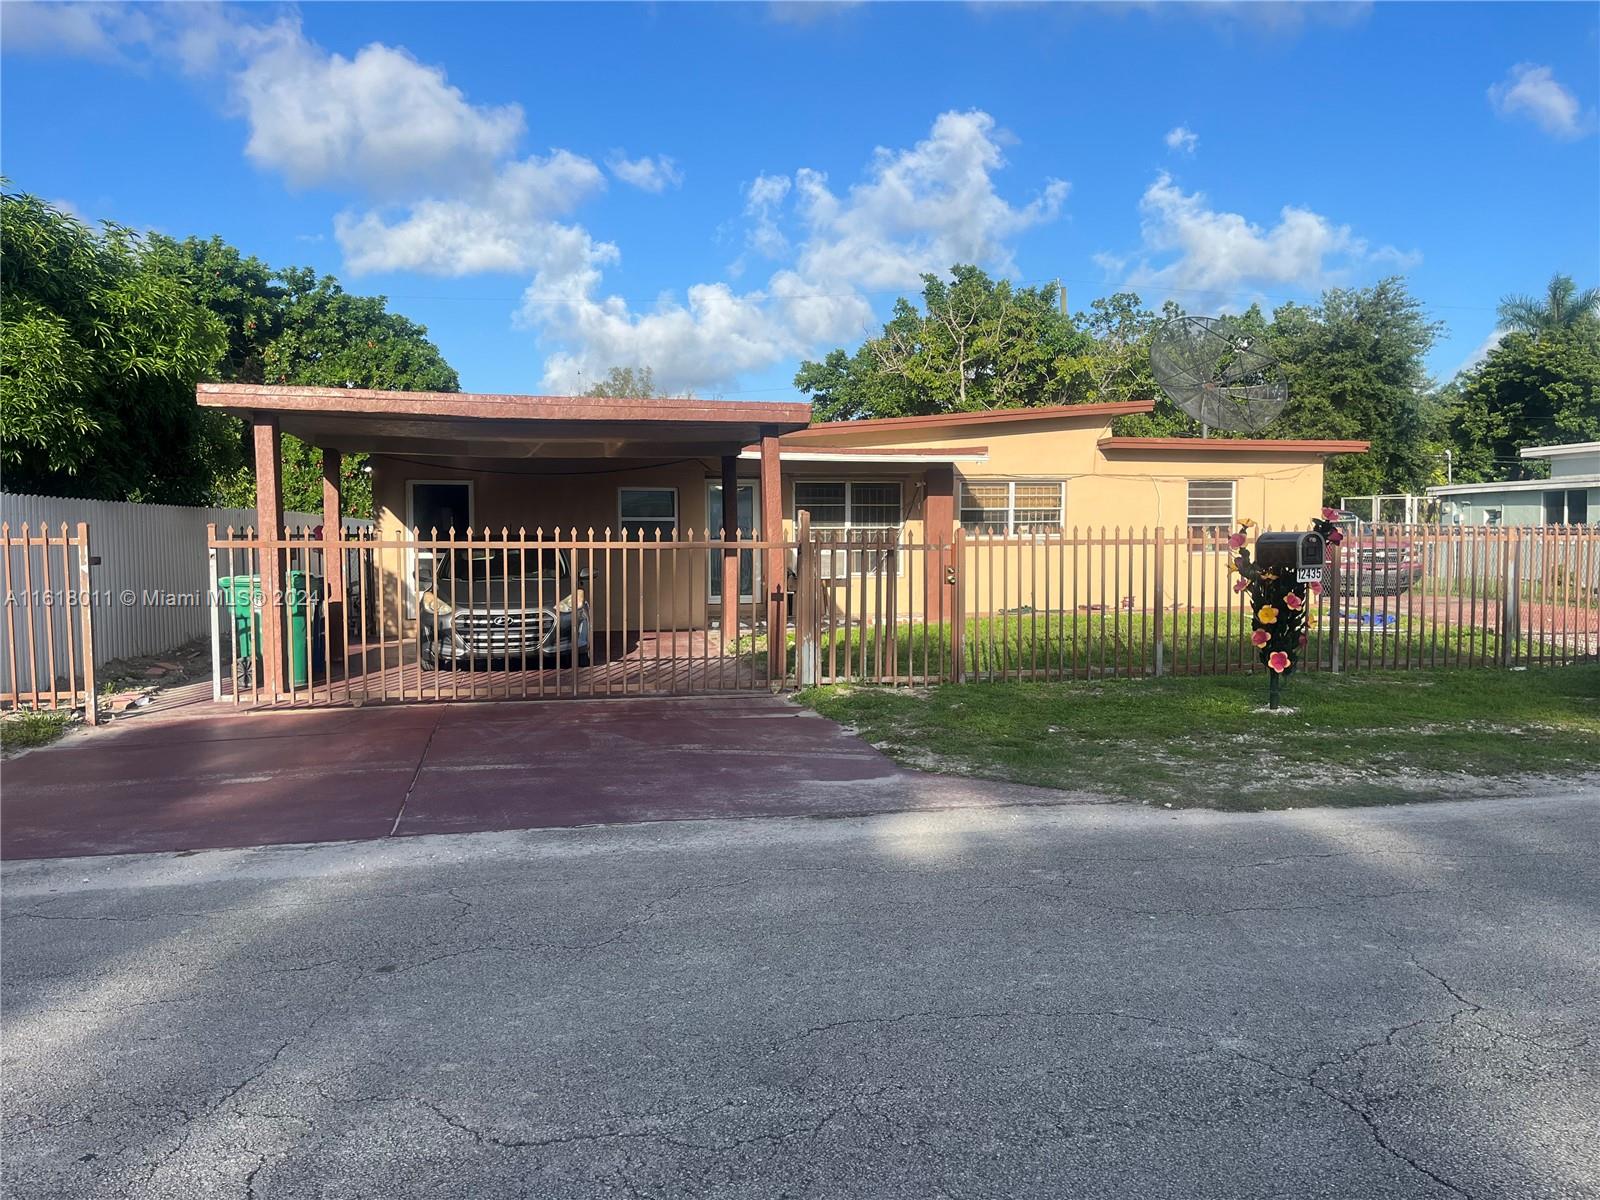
(1562, 307)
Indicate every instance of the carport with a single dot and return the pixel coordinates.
(619, 492)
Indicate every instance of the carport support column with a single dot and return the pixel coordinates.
(730, 553)
(775, 573)
(333, 551)
(938, 522)
(269, 532)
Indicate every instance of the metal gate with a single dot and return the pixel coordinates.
(367, 617)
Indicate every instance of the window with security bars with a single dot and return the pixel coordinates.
(1210, 509)
(1001, 508)
(844, 510)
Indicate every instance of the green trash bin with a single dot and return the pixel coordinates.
(242, 596)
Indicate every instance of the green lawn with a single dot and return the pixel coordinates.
(1375, 738)
(1093, 645)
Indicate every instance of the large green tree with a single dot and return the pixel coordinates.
(1355, 365)
(99, 355)
(1530, 390)
(295, 327)
(974, 344)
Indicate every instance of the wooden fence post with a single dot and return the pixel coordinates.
(958, 617)
(1511, 601)
(91, 714)
(1161, 623)
(806, 631)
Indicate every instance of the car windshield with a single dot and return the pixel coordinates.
(484, 565)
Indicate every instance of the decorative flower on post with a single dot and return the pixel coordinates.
(1278, 605)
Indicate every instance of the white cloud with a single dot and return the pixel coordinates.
(88, 30)
(1207, 256)
(504, 226)
(916, 210)
(1533, 92)
(647, 174)
(381, 121)
(1182, 138)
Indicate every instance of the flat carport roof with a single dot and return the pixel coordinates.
(505, 426)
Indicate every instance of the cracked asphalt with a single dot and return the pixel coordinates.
(1083, 1001)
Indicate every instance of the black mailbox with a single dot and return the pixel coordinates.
(1298, 551)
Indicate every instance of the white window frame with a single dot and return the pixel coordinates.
(714, 534)
(1196, 528)
(1011, 503)
(855, 560)
(676, 509)
(413, 580)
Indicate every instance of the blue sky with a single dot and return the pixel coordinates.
(720, 190)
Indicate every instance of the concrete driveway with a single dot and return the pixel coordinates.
(1079, 1002)
(230, 779)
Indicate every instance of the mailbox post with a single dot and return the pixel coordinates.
(1278, 576)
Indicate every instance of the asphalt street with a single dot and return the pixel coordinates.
(1078, 1001)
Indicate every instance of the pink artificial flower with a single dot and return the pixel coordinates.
(1241, 585)
(1335, 537)
(1315, 589)
(1330, 514)
(1260, 638)
(1293, 601)
(1236, 541)
(1278, 661)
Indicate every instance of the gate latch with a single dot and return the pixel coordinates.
(950, 576)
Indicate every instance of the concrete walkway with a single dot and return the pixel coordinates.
(1098, 1002)
(228, 779)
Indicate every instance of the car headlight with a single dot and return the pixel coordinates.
(433, 604)
(564, 605)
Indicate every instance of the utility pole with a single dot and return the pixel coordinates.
(1063, 289)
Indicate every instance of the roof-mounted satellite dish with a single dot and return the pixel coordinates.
(1213, 371)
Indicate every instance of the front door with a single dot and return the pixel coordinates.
(434, 504)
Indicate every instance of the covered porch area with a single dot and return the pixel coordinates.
(522, 546)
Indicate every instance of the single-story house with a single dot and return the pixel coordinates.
(700, 469)
(1567, 497)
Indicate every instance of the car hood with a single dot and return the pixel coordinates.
(500, 594)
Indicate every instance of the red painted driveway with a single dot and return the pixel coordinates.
(273, 778)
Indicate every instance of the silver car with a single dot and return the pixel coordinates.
(486, 605)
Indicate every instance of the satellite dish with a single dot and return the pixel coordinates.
(1213, 371)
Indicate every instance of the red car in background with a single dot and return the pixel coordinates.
(1371, 565)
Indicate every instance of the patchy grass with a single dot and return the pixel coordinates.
(25, 730)
(1113, 643)
(1350, 740)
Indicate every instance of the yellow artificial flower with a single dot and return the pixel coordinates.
(1233, 567)
(1267, 615)
(1246, 523)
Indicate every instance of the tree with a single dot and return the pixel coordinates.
(622, 383)
(1355, 366)
(974, 345)
(1530, 390)
(294, 327)
(98, 362)
(1562, 308)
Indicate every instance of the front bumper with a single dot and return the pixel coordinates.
(474, 638)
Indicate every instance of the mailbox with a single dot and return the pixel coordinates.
(1303, 553)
